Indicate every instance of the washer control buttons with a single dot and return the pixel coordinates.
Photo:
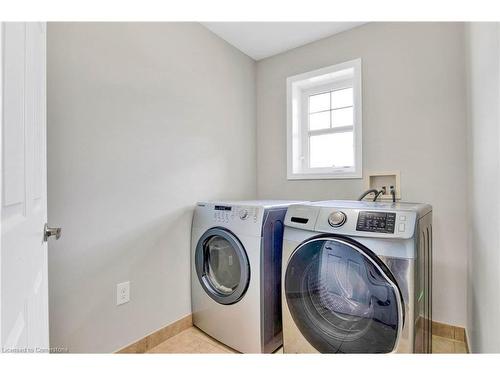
(337, 219)
(379, 222)
(243, 214)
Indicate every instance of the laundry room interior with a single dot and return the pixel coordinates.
(251, 187)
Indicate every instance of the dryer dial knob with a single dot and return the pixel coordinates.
(243, 214)
(337, 219)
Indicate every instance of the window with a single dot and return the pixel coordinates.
(324, 123)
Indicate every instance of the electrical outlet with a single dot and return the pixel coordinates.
(122, 293)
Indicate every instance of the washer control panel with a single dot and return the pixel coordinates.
(337, 219)
(358, 219)
(373, 221)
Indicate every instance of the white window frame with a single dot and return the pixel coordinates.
(299, 88)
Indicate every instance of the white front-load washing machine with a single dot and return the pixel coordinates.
(357, 278)
(236, 273)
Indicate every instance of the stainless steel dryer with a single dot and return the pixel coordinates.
(236, 272)
(357, 278)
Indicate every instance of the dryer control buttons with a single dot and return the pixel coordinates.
(337, 219)
(243, 214)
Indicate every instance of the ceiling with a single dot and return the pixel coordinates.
(263, 39)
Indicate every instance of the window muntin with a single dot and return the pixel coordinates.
(324, 123)
(331, 127)
(331, 109)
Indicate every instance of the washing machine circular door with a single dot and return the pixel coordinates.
(222, 266)
(342, 297)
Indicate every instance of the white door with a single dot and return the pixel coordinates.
(23, 257)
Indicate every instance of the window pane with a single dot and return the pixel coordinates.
(331, 150)
(342, 98)
(320, 102)
(320, 120)
(342, 117)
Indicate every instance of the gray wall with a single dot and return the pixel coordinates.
(143, 121)
(483, 51)
(414, 120)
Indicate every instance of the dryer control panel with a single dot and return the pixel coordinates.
(241, 219)
(227, 214)
(244, 218)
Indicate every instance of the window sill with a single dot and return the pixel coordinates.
(324, 176)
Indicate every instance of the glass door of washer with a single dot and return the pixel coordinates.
(342, 298)
(222, 266)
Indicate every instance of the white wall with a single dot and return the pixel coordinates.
(414, 120)
(483, 52)
(143, 121)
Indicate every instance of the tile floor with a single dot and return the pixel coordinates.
(192, 340)
(445, 345)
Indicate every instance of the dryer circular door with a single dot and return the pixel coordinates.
(222, 266)
(342, 297)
